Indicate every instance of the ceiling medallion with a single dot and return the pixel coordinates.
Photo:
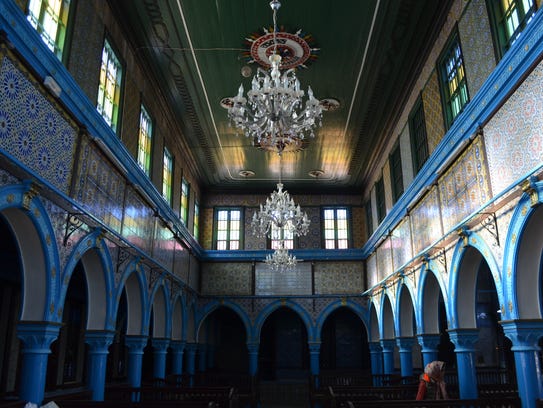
(329, 104)
(316, 173)
(273, 113)
(246, 173)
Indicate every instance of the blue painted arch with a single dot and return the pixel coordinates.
(213, 305)
(404, 290)
(272, 307)
(422, 311)
(358, 309)
(134, 282)
(162, 324)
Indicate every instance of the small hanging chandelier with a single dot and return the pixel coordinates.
(281, 260)
(273, 115)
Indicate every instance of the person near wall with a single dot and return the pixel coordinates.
(432, 382)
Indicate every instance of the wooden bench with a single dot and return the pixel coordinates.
(500, 402)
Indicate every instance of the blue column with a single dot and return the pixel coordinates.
(178, 347)
(314, 360)
(428, 344)
(376, 356)
(405, 344)
(464, 341)
(525, 335)
(135, 345)
(388, 355)
(210, 356)
(160, 351)
(202, 357)
(99, 342)
(37, 339)
(191, 361)
(253, 358)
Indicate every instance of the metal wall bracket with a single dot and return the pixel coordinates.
(72, 225)
(490, 223)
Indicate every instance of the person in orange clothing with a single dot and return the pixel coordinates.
(432, 382)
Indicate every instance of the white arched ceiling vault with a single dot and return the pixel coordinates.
(405, 312)
(523, 259)
(160, 310)
(177, 319)
(429, 289)
(387, 318)
(374, 324)
(97, 269)
(133, 282)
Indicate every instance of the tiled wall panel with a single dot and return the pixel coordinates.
(338, 277)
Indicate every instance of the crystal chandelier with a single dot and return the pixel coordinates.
(281, 260)
(279, 211)
(273, 115)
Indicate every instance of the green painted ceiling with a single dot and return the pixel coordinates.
(369, 54)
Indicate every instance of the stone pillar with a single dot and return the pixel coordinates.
(388, 355)
(178, 347)
(160, 351)
(524, 334)
(191, 349)
(464, 341)
(99, 342)
(202, 357)
(405, 344)
(314, 359)
(37, 338)
(253, 358)
(428, 344)
(135, 345)
(376, 356)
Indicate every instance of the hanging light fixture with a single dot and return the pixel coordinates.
(272, 113)
(281, 260)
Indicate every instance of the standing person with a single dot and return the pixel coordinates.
(432, 382)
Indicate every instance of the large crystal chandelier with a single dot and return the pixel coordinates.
(281, 260)
(273, 115)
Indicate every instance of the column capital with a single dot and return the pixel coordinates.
(375, 347)
(178, 345)
(464, 339)
(37, 336)
(388, 344)
(253, 347)
(429, 341)
(99, 340)
(135, 343)
(314, 346)
(524, 334)
(160, 344)
(405, 343)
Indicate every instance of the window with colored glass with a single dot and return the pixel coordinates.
(380, 199)
(228, 228)
(196, 225)
(336, 230)
(145, 141)
(50, 19)
(109, 90)
(184, 210)
(453, 85)
(508, 19)
(396, 173)
(281, 237)
(167, 176)
(418, 136)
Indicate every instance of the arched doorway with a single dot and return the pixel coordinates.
(66, 364)
(118, 353)
(283, 353)
(344, 343)
(10, 310)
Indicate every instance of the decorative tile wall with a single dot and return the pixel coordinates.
(400, 240)
(227, 278)
(426, 221)
(371, 270)
(297, 281)
(99, 187)
(181, 262)
(465, 186)
(384, 259)
(513, 137)
(139, 222)
(433, 112)
(476, 40)
(313, 238)
(338, 277)
(32, 130)
(163, 246)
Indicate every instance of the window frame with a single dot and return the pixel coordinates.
(369, 217)
(443, 78)
(501, 39)
(142, 135)
(348, 218)
(216, 211)
(168, 197)
(418, 136)
(184, 201)
(60, 50)
(270, 242)
(380, 199)
(396, 172)
(116, 118)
